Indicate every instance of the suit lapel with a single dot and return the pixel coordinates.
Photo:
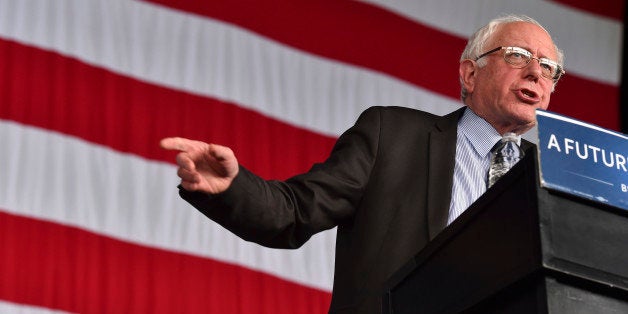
(442, 155)
(525, 145)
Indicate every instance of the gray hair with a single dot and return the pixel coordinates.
(477, 41)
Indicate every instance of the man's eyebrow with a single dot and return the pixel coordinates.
(542, 56)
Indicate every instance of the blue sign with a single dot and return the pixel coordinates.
(583, 159)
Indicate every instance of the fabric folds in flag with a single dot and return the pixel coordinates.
(90, 218)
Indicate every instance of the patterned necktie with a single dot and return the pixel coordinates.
(504, 155)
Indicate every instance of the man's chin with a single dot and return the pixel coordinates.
(524, 126)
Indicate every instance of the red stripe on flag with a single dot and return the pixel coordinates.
(65, 268)
(364, 35)
(349, 31)
(610, 8)
(588, 101)
(50, 91)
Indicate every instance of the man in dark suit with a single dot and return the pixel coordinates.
(396, 178)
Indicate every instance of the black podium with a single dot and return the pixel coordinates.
(520, 249)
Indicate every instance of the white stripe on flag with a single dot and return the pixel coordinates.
(14, 308)
(167, 47)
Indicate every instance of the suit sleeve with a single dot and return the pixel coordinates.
(285, 214)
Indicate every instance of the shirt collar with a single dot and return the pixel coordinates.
(478, 132)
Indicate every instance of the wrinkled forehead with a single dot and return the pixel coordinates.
(525, 35)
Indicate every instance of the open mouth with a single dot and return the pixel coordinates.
(528, 93)
(528, 96)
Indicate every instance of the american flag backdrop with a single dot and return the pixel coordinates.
(90, 218)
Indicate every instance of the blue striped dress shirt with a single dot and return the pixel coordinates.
(474, 142)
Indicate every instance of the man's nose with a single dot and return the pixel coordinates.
(534, 70)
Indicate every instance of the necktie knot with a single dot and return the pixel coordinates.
(504, 155)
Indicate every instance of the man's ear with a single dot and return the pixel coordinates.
(467, 71)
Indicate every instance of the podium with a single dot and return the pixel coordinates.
(520, 249)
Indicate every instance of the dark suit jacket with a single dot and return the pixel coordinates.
(386, 186)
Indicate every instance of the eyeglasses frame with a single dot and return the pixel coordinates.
(560, 71)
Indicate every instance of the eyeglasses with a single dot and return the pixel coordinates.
(520, 58)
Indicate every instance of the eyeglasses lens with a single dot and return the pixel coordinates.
(520, 58)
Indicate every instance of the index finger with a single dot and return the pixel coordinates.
(176, 143)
